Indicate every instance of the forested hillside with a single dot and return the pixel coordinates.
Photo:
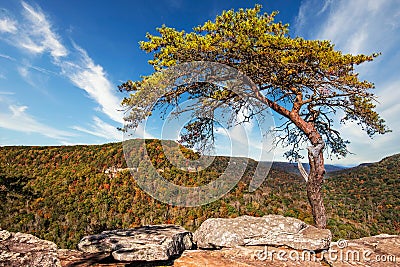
(368, 194)
(63, 193)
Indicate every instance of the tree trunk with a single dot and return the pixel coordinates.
(314, 183)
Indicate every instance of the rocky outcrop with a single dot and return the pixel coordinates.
(17, 249)
(274, 230)
(375, 251)
(160, 245)
(147, 243)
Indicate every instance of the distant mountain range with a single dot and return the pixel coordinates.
(293, 168)
(66, 192)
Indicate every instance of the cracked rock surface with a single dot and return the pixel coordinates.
(272, 230)
(147, 243)
(18, 249)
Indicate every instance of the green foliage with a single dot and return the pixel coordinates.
(304, 81)
(63, 193)
(368, 195)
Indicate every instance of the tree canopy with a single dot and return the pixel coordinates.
(305, 81)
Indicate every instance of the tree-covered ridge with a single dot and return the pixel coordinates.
(63, 193)
(368, 194)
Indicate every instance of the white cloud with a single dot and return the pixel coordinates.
(26, 74)
(23, 71)
(360, 26)
(7, 57)
(101, 129)
(15, 117)
(91, 77)
(29, 45)
(304, 19)
(8, 25)
(38, 36)
(34, 33)
(326, 5)
(363, 26)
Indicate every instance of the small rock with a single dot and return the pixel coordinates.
(272, 230)
(147, 243)
(4, 235)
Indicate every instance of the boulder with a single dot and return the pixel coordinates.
(273, 230)
(147, 243)
(373, 251)
(17, 249)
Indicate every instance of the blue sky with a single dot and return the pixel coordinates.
(61, 61)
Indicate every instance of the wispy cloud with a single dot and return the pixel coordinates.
(8, 25)
(363, 26)
(23, 71)
(27, 76)
(34, 34)
(79, 68)
(326, 5)
(6, 93)
(91, 77)
(357, 26)
(15, 117)
(371, 21)
(101, 129)
(7, 57)
(37, 36)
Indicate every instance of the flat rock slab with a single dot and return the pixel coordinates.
(273, 230)
(18, 249)
(253, 256)
(147, 243)
(374, 251)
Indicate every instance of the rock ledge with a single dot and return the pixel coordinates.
(147, 243)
